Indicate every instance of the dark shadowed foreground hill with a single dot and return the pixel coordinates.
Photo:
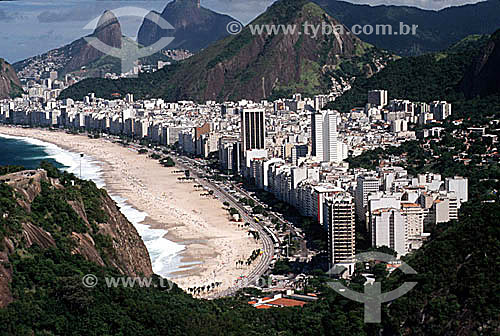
(53, 233)
(483, 76)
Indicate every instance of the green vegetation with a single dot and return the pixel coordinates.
(421, 79)
(168, 162)
(52, 209)
(53, 213)
(4, 170)
(232, 48)
(431, 35)
(11, 224)
(16, 91)
(457, 288)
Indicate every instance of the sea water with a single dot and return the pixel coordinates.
(28, 152)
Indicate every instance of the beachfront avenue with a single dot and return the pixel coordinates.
(268, 248)
(220, 275)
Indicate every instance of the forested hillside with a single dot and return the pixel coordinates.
(425, 78)
(456, 294)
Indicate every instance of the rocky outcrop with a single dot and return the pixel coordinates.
(125, 251)
(80, 53)
(483, 77)
(131, 254)
(9, 83)
(5, 271)
(196, 27)
(108, 31)
(259, 64)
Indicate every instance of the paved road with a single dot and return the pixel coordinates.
(304, 251)
(267, 245)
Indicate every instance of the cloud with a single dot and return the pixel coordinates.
(74, 14)
(4, 17)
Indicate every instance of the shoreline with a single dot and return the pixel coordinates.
(211, 243)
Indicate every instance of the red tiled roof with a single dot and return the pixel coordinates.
(263, 307)
(286, 302)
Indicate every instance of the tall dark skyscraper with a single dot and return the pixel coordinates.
(253, 128)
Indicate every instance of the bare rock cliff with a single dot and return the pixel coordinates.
(124, 249)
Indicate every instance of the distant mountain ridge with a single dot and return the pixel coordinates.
(437, 29)
(80, 53)
(195, 26)
(9, 83)
(483, 77)
(258, 66)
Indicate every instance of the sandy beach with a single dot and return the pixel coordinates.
(213, 243)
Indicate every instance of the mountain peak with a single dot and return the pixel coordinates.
(268, 64)
(186, 3)
(108, 31)
(108, 22)
(9, 83)
(195, 26)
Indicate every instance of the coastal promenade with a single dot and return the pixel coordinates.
(211, 242)
(264, 261)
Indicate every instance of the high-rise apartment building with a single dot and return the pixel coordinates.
(317, 135)
(330, 137)
(253, 128)
(440, 109)
(365, 186)
(325, 144)
(377, 98)
(414, 217)
(339, 212)
(388, 228)
(459, 185)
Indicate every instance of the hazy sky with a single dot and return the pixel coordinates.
(32, 27)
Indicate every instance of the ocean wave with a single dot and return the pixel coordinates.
(164, 253)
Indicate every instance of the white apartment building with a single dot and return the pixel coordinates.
(366, 185)
(388, 228)
(326, 146)
(458, 185)
(339, 212)
(317, 135)
(440, 110)
(414, 218)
